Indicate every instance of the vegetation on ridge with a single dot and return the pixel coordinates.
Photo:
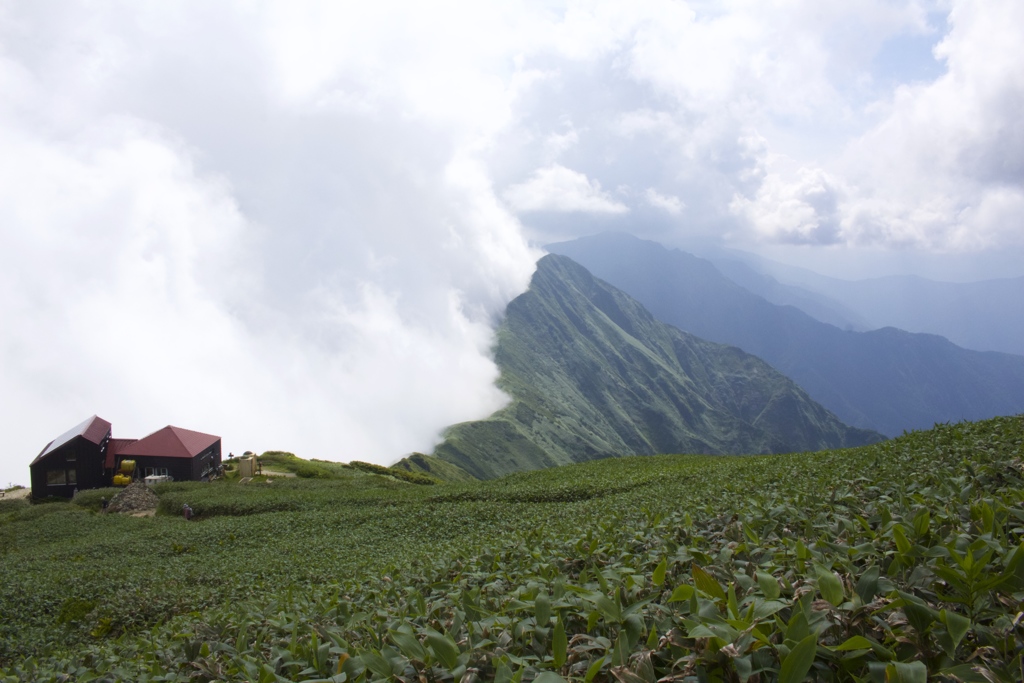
(592, 375)
(434, 467)
(896, 561)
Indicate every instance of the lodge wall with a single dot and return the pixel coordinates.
(77, 464)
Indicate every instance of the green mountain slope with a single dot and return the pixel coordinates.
(435, 467)
(592, 374)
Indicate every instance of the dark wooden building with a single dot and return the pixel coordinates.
(87, 457)
(180, 453)
(74, 460)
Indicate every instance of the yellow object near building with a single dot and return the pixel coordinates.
(124, 473)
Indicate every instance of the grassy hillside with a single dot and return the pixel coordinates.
(434, 467)
(886, 562)
(592, 374)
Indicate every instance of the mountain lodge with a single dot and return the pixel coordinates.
(87, 457)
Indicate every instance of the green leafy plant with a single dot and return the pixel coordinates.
(901, 561)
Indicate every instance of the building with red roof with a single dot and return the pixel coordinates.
(74, 460)
(180, 453)
(87, 456)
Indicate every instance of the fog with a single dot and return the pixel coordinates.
(296, 225)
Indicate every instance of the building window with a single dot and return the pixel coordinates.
(56, 478)
(71, 456)
(72, 477)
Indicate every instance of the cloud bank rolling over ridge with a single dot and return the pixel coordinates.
(295, 224)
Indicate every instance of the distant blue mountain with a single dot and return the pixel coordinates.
(811, 301)
(984, 316)
(888, 380)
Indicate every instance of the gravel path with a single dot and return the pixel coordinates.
(136, 497)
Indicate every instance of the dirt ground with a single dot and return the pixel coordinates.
(17, 493)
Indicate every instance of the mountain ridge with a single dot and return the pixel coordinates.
(982, 315)
(593, 374)
(887, 380)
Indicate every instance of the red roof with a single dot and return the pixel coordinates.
(95, 429)
(171, 442)
(114, 448)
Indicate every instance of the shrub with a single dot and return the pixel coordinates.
(308, 470)
(92, 499)
(404, 475)
(13, 504)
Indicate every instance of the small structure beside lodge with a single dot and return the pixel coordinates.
(87, 457)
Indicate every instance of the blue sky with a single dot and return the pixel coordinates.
(294, 224)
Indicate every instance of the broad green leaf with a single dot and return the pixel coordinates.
(652, 638)
(919, 615)
(900, 537)
(636, 606)
(744, 667)
(769, 585)
(609, 608)
(829, 585)
(558, 645)
(409, 645)
(267, 675)
(867, 585)
(799, 660)
(548, 677)
(659, 572)
(377, 664)
(797, 629)
(957, 625)
(593, 669)
(681, 593)
(502, 673)
(633, 626)
(854, 643)
(707, 584)
(906, 672)
(734, 607)
(620, 654)
(963, 672)
(444, 647)
(921, 521)
(766, 608)
(542, 609)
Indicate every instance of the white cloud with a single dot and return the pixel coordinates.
(306, 206)
(668, 203)
(558, 143)
(941, 169)
(805, 210)
(187, 242)
(557, 188)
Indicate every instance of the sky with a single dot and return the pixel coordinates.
(296, 224)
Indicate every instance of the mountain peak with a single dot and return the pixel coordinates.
(887, 380)
(593, 374)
